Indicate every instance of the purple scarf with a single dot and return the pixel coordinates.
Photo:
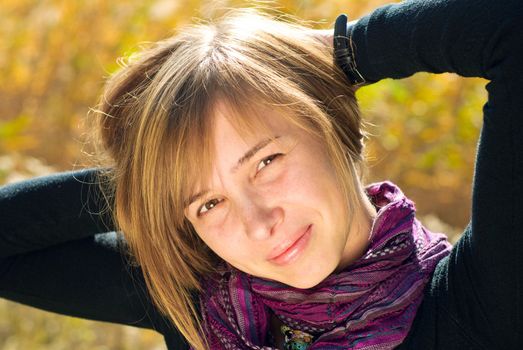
(369, 305)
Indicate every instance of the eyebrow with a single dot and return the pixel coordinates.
(244, 159)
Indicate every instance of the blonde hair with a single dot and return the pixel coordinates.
(154, 124)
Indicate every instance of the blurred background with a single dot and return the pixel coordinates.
(55, 56)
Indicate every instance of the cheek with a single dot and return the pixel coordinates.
(304, 183)
(307, 182)
(225, 240)
(292, 188)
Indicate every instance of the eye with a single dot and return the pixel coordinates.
(266, 161)
(207, 206)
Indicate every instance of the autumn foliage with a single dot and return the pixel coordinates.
(55, 56)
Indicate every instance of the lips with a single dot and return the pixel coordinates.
(288, 251)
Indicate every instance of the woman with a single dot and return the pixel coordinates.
(237, 184)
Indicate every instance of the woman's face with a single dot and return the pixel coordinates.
(273, 209)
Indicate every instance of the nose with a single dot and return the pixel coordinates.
(259, 218)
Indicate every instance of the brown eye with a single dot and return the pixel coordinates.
(207, 206)
(266, 161)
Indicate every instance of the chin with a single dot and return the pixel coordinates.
(308, 281)
(305, 284)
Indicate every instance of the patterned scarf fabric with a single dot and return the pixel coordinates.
(369, 305)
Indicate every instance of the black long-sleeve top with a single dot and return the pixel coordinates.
(52, 259)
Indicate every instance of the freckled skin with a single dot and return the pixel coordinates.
(269, 201)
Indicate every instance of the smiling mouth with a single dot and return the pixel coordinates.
(291, 253)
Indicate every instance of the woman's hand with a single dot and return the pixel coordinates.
(326, 36)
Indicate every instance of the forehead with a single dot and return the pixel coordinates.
(235, 129)
(233, 132)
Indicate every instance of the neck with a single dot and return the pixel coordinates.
(358, 237)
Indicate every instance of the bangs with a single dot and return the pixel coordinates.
(197, 153)
(156, 122)
(247, 73)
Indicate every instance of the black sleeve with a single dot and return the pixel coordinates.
(51, 209)
(477, 290)
(56, 254)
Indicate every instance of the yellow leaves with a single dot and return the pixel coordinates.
(425, 137)
(25, 328)
(54, 56)
(13, 135)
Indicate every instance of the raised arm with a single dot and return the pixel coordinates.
(56, 254)
(477, 290)
(48, 210)
(467, 37)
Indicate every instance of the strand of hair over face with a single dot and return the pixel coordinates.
(154, 122)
